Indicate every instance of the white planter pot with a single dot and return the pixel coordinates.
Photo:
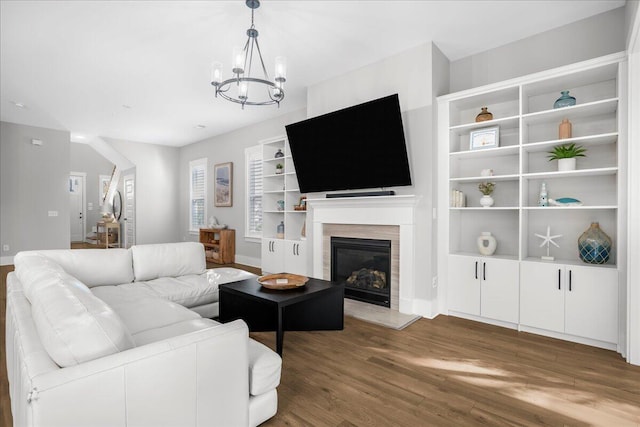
(567, 164)
(486, 201)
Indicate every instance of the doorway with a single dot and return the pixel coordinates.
(77, 214)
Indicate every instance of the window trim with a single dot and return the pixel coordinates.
(192, 165)
(250, 154)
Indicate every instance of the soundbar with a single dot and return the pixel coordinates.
(361, 194)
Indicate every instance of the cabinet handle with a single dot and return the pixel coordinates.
(559, 279)
(569, 280)
(484, 271)
(476, 270)
(297, 248)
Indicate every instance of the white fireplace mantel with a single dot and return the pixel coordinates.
(376, 210)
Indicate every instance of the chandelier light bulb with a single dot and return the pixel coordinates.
(216, 73)
(238, 60)
(281, 69)
(243, 88)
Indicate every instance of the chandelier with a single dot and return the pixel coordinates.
(243, 88)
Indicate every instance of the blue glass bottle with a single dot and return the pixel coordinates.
(565, 100)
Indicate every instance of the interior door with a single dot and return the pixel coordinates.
(76, 207)
(129, 219)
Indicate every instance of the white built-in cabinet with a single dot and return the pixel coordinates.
(484, 286)
(572, 299)
(286, 254)
(587, 307)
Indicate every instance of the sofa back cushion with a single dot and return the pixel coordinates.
(74, 326)
(94, 267)
(168, 260)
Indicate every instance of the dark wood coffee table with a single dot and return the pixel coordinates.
(317, 306)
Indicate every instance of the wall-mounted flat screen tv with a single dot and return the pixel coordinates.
(360, 147)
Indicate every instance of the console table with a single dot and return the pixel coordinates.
(108, 234)
(317, 306)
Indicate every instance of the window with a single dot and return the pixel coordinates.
(197, 194)
(253, 213)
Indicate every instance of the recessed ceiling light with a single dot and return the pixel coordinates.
(200, 126)
(18, 104)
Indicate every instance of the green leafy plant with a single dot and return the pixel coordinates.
(566, 152)
(486, 188)
(279, 166)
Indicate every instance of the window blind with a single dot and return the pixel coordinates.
(198, 194)
(254, 191)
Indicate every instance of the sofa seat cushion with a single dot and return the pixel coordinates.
(141, 309)
(74, 325)
(170, 331)
(195, 290)
(94, 267)
(168, 260)
(264, 368)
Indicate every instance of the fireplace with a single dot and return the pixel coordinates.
(364, 266)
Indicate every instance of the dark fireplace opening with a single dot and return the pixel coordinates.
(364, 266)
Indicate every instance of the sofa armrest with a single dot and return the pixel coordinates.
(200, 378)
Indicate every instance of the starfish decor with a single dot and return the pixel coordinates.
(546, 240)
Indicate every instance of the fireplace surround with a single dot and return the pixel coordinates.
(384, 217)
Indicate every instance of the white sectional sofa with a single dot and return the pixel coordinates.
(120, 337)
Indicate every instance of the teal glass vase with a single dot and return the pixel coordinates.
(565, 100)
(594, 246)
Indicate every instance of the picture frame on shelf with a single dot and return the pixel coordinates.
(223, 186)
(481, 139)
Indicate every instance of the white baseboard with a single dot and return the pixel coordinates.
(6, 260)
(422, 307)
(247, 260)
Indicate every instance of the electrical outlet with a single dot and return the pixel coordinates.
(434, 281)
(5, 248)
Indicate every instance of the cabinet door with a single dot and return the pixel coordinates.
(464, 284)
(499, 289)
(295, 260)
(272, 256)
(542, 295)
(591, 307)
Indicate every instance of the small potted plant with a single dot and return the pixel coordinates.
(279, 168)
(486, 188)
(566, 156)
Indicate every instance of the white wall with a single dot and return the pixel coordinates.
(633, 253)
(83, 158)
(403, 74)
(221, 149)
(34, 181)
(589, 38)
(410, 74)
(156, 190)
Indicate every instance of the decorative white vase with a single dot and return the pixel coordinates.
(486, 201)
(487, 244)
(567, 164)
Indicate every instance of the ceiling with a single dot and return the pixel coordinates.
(140, 70)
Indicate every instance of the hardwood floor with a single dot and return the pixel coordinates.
(446, 371)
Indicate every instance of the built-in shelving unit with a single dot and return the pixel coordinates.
(528, 129)
(287, 252)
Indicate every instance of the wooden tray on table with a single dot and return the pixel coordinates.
(282, 281)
